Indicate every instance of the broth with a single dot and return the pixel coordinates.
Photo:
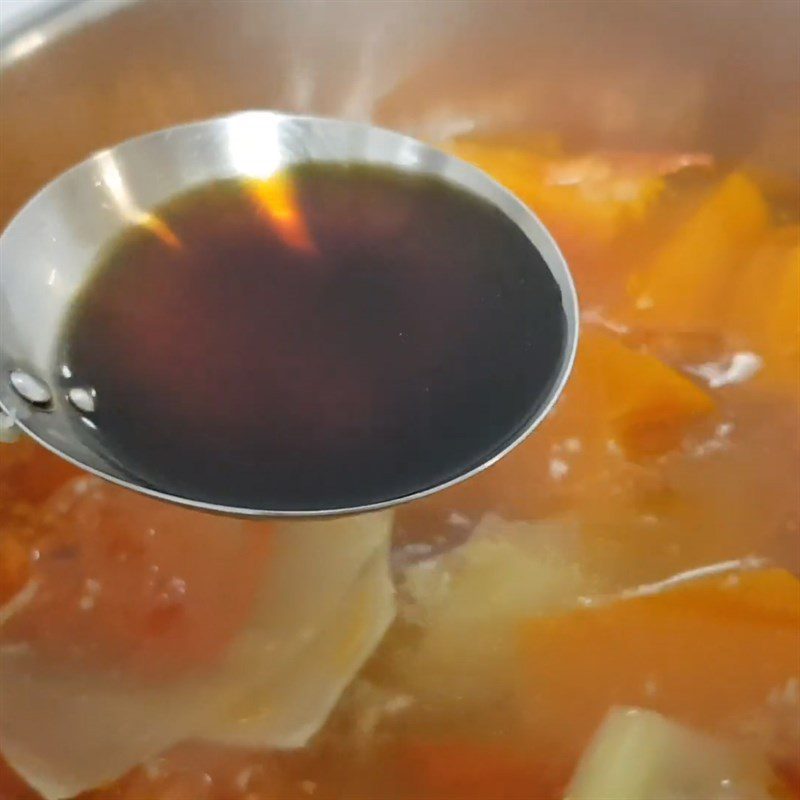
(640, 549)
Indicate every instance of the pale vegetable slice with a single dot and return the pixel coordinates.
(325, 601)
(286, 711)
(641, 755)
(313, 566)
(469, 601)
(506, 569)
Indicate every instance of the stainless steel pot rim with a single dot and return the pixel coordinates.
(36, 28)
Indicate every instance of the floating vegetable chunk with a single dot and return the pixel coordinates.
(764, 308)
(468, 603)
(685, 284)
(647, 404)
(289, 612)
(641, 755)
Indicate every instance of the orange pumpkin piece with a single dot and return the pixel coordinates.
(647, 405)
(684, 285)
(764, 308)
(706, 653)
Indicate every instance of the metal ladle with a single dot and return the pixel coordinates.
(51, 246)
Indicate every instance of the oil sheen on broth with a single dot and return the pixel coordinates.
(335, 336)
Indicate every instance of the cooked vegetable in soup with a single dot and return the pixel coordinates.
(612, 611)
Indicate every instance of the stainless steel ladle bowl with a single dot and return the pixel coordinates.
(51, 246)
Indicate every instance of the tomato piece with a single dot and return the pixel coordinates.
(127, 581)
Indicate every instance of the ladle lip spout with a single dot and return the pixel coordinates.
(51, 246)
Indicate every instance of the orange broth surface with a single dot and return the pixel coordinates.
(657, 509)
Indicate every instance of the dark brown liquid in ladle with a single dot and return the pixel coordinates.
(340, 336)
